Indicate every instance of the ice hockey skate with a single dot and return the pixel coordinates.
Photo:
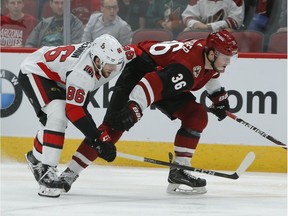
(50, 184)
(34, 165)
(182, 182)
(68, 177)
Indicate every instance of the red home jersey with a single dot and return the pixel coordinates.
(188, 53)
(182, 69)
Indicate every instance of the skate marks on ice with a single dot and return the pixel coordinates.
(105, 190)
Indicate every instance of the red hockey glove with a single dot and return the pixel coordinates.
(105, 149)
(220, 104)
(127, 117)
(104, 137)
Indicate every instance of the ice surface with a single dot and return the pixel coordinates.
(110, 190)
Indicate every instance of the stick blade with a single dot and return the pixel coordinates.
(250, 157)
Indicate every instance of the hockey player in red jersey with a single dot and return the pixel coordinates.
(57, 81)
(165, 74)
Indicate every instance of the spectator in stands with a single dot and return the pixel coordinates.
(133, 12)
(49, 32)
(249, 12)
(166, 14)
(261, 16)
(84, 8)
(283, 17)
(16, 25)
(107, 22)
(213, 15)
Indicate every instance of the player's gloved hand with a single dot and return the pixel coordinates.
(220, 104)
(104, 147)
(127, 117)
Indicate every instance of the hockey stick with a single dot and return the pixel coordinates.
(240, 170)
(262, 133)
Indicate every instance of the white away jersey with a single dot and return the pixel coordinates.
(219, 13)
(68, 65)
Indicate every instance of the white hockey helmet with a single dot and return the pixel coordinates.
(108, 50)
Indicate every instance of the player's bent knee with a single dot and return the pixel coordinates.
(194, 116)
(200, 119)
(56, 124)
(56, 116)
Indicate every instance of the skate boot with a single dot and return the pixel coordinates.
(34, 165)
(50, 183)
(181, 181)
(68, 177)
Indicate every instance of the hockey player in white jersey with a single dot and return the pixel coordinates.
(57, 81)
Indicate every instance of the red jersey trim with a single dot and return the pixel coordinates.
(41, 89)
(74, 112)
(147, 95)
(156, 85)
(51, 74)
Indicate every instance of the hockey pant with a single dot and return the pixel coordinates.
(48, 101)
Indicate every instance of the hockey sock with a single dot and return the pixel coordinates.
(52, 147)
(83, 157)
(38, 145)
(186, 141)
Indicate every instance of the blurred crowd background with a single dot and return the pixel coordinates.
(258, 25)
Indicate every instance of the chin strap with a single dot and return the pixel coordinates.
(212, 62)
(213, 65)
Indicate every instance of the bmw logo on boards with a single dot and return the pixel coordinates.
(10, 93)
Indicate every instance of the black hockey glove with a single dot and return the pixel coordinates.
(127, 117)
(105, 149)
(220, 104)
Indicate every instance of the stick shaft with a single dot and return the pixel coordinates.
(255, 129)
(235, 175)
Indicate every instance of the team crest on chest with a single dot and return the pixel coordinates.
(196, 71)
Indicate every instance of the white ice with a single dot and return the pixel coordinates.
(110, 190)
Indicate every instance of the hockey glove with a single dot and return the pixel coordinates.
(105, 149)
(220, 104)
(127, 117)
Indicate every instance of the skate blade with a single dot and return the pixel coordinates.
(49, 192)
(184, 189)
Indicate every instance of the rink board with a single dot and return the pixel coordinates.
(257, 87)
(208, 156)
